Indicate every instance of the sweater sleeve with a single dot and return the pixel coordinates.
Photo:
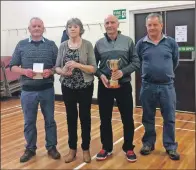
(134, 64)
(16, 57)
(60, 55)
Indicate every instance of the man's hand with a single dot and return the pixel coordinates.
(117, 75)
(47, 73)
(104, 80)
(29, 73)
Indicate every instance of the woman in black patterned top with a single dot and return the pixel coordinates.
(76, 64)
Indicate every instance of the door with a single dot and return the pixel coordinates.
(185, 73)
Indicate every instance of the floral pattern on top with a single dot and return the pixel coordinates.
(76, 80)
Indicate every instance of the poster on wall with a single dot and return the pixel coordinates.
(181, 33)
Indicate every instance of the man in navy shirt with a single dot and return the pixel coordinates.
(33, 51)
(159, 56)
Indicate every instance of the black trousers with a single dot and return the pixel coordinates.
(71, 98)
(123, 96)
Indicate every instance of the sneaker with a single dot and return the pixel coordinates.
(54, 153)
(173, 154)
(146, 150)
(28, 154)
(131, 156)
(102, 155)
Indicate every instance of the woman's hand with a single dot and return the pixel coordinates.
(66, 71)
(72, 64)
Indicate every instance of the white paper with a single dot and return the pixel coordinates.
(38, 76)
(38, 68)
(181, 33)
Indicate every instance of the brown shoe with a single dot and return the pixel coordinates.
(70, 156)
(86, 156)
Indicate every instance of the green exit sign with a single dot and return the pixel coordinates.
(120, 13)
(186, 49)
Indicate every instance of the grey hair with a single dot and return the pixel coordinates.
(77, 22)
(37, 18)
(152, 15)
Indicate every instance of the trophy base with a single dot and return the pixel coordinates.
(113, 84)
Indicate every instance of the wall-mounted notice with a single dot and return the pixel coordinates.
(120, 13)
(181, 33)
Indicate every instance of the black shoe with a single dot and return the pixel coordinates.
(131, 156)
(146, 150)
(102, 155)
(173, 154)
(28, 154)
(54, 153)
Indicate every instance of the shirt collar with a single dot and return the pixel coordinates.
(147, 39)
(30, 39)
(108, 38)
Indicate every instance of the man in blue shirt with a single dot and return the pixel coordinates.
(29, 53)
(159, 56)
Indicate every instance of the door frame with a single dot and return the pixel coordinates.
(131, 27)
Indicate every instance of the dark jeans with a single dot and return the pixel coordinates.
(150, 94)
(84, 98)
(30, 101)
(123, 96)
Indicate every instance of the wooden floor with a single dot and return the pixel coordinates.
(13, 142)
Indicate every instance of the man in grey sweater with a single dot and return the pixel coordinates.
(30, 53)
(119, 47)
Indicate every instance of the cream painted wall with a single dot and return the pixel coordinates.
(16, 14)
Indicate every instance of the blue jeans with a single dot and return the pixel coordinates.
(150, 94)
(30, 101)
